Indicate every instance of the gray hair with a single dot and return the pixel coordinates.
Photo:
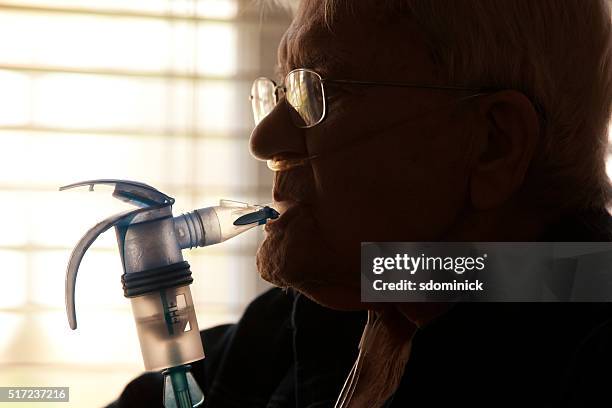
(558, 53)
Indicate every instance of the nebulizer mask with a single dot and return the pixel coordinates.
(156, 278)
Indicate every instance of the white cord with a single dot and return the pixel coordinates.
(350, 384)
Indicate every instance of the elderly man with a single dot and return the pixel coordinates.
(422, 120)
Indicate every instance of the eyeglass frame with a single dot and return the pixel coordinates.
(479, 91)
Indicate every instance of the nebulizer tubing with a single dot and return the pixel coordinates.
(350, 384)
(156, 279)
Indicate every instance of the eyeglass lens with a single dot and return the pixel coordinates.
(263, 98)
(303, 93)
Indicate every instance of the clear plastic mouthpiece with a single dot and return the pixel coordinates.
(212, 225)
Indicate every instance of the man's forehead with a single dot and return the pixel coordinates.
(313, 46)
(354, 45)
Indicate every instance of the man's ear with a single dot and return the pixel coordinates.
(503, 147)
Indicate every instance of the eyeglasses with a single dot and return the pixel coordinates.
(304, 91)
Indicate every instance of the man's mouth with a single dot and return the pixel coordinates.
(288, 210)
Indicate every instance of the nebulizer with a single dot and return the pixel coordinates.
(156, 278)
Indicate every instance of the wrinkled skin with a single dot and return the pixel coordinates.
(395, 164)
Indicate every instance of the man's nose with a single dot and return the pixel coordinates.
(277, 137)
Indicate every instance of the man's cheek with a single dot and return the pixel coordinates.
(346, 221)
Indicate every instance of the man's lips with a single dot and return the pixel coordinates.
(288, 210)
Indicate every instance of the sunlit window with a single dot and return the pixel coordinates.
(609, 160)
(148, 90)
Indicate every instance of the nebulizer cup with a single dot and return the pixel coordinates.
(167, 328)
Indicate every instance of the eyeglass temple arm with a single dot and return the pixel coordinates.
(480, 91)
(407, 85)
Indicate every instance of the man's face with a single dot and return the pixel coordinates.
(392, 162)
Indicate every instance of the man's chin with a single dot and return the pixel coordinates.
(294, 255)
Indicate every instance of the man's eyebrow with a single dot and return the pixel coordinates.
(325, 63)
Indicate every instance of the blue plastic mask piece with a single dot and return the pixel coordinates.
(260, 217)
